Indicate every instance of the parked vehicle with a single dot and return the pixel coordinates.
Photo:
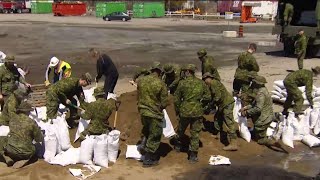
(15, 6)
(116, 16)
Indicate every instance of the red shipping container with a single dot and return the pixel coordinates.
(229, 6)
(69, 9)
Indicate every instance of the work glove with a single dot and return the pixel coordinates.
(47, 83)
(82, 112)
(68, 102)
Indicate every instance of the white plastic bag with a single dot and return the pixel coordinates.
(100, 151)
(133, 153)
(4, 130)
(168, 130)
(311, 141)
(279, 83)
(83, 124)
(287, 135)
(316, 99)
(236, 108)
(86, 150)
(50, 144)
(88, 94)
(219, 160)
(244, 131)
(62, 132)
(113, 145)
(314, 117)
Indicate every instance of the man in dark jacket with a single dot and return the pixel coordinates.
(105, 67)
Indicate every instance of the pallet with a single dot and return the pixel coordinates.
(37, 98)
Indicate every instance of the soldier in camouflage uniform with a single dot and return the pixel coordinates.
(99, 112)
(139, 73)
(11, 105)
(63, 91)
(207, 64)
(9, 75)
(301, 48)
(171, 76)
(17, 148)
(247, 65)
(295, 79)
(288, 13)
(224, 117)
(260, 110)
(190, 98)
(152, 100)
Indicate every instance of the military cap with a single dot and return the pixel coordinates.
(87, 77)
(202, 52)
(190, 67)
(9, 59)
(156, 65)
(206, 75)
(259, 79)
(168, 68)
(316, 69)
(25, 107)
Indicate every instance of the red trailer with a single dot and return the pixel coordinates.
(69, 9)
(15, 6)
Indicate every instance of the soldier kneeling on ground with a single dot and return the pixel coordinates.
(17, 149)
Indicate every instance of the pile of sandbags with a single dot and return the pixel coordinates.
(279, 93)
(99, 150)
(303, 128)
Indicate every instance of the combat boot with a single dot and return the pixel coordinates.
(193, 157)
(142, 146)
(232, 146)
(8, 160)
(20, 164)
(150, 159)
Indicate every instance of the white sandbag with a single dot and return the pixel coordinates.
(306, 103)
(88, 94)
(279, 83)
(305, 123)
(83, 124)
(39, 114)
(282, 100)
(113, 145)
(304, 96)
(287, 135)
(316, 129)
(236, 108)
(244, 131)
(313, 117)
(277, 88)
(270, 131)
(50, 144)
(279, 94)
(297, 129)
(302, 89)
(273, 125)
(311, 141)
(86, 150)
(100, 151)
(317, 92)
(4, 130)
(65, 158)
(168, 130)
(278, 132)
(275, 98)
(62, 132)
(133, 153)
(316, 99)
(219, 160)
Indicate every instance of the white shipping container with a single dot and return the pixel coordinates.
(268, 9)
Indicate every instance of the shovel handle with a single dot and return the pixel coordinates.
(115, 120)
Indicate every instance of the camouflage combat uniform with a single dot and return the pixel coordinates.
(318, 14)
(9, 109)
(139, 73)
(99, 112)
(288, 13)
(301, 49)
(172, 76)
(190, 98)
(224, 101)
(293, 80)
(152, 99)
(261, 112)
(18, 145)
(247, 65)
(60, 92)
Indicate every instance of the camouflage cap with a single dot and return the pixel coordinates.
(316, 70)
(190, 67)
(156, 65)
(206, 75)
(202, 52)
(259, 80)
(9, 59)
(168, 68)
(87, 76)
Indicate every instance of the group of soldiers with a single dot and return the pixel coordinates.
(17, 149)
(194, 98)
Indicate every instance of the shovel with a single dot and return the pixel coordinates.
(116, 114)
(74, 106)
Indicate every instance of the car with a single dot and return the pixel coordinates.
(116, 16)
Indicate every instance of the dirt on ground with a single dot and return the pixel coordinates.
(35, 38)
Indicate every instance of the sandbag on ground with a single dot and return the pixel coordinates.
(100, 151)
(113, 145)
